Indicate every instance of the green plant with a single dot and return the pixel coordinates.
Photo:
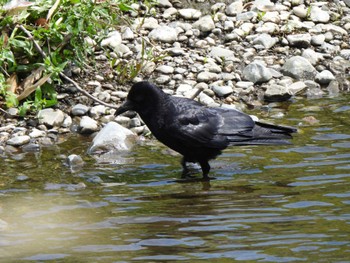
(261, 15)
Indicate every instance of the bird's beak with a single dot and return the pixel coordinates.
(127, 105)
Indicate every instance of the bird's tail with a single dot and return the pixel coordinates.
(265, 134)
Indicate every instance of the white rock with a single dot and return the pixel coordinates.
(87, 125)
(51, 117)
(206, 76)
(79, 109)
(222, 91)
(296, 87)
(190, 13)
(247, 16)
(228, 25)
(318, 40)
(165, 69)
(204, 24)
(164, 34)
(318, 15)
(18, 140)
(256, 72)
(98, 111)
(112, 137)
(299, 40)
(299, 67)
(312, 56)
(235, 8)
(273, 17)
(276, 92)
(324, 77)
(113, 40)
(222, 52)
(146, 23)
(128, 34)
(268, 28)
(265, 40)
(300, 11)
(35, 133)
(169, 12)
(67, 122)
(75, 161)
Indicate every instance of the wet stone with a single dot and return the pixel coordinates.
(18, 140)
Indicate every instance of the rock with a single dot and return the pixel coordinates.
(148, 23)
(128, 34)
(296, 87)
(247, 16)
(206, 76)
(318, 40)
(51, 117)
(311, 56)
(204, 24)
(256, 72)
(298, 67)
(318, 15)
(67, 122)
(75, 161)
(98, 111)
(234, 8)
(220, 52)
(31, 147)
(190, 13)
(113, 40)
(79, 110)
(333, 88)
(265, 40)
(300, 11)
(87, 125)
(324, 77)
(165, 69)
(222, 91)
(35, 133)
(112, 138)
(18, 140)
(164, 34)
(276, 92)
(299, 40)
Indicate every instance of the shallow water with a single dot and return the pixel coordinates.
(268, 204)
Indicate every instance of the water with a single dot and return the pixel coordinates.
(268, 204)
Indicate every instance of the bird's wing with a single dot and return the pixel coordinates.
(197, 125)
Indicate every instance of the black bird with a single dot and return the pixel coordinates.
(198, 132)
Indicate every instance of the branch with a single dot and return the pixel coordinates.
(76, 85)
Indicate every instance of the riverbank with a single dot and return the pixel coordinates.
(240, 55)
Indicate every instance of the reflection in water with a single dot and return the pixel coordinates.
(274, 204)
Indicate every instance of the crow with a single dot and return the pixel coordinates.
(197, 132)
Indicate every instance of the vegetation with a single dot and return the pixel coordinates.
(38, 39)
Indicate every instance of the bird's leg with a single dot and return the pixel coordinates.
(185, 171)
(205, 169)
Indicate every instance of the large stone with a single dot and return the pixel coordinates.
(256, 72)
(318, 15)
(299, 40)
(51, 117)
(113, 40)
(164, 34)
(298, 67)
(87, 125)
(112, 138)
(18, 140)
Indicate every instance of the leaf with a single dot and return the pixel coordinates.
(52, 10)
(124, 7)
(12, 83)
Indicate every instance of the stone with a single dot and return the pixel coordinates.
(220, 52)
(75, 161)
(206, 76)
(234, 8)
(112, 138)
(87, 125)
(97, 111)
(164, 34)
(296, 87)
(333, 88)
(312, 56)
(300, 11)
(222, 91)
(204, 24)
(51, 117)
(128, 34)
(79, 110)
(298, 68)
(265, 40)
(165, 69)
(190, 13)
(18, 140)
(318, 40)
(256, 72)
(35, 133)
(319, 15)
(324, 77)
(247, 16)
(276, 92)
(113, 40)
(299, 40)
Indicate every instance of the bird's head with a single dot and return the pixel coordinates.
(142, 97)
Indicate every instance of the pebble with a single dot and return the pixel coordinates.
(164, 34)
(75, 161)
(276, 92)
(113, 40)
(190, 13)
(79, 109)
(204, 24)
(257, 72)
(207, 76)
(18, 140)
(51, 117)
(222, 91)
(299, 40)
(324, 77)
(87, 125)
